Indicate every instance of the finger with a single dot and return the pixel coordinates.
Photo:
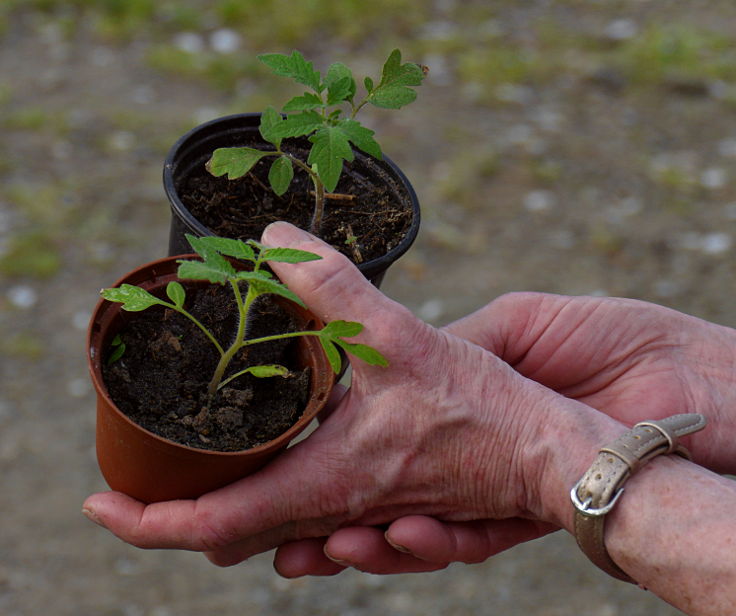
(365, 548)
(254, 514)
(431, 540)
(335, 290)
(305, 557)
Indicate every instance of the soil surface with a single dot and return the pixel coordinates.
(362, 218)
(161, 380)
(562, 146)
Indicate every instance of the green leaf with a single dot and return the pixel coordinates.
(229, 247)
(270, 120)
(362, 351)
(333, 355)
(368, 83)
(118, 350)
(176, 293)
(394, 90)
(262, 284)
(209, 248)
(340, 90)
(306, 102)
(361, 137)
(268, 370)
(288, 255)
(198, 270)
(330, 146)
(134, 299)
(341, 329)
(233, 162)
(280, 175)
(298, 125)
(293, 66)
(337, 73)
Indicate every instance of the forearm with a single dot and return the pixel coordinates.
(673, 529)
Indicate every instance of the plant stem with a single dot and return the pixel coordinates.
(226, 357)
(319, 194)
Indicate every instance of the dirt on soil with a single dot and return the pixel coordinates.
(601, 159)
(161, 380)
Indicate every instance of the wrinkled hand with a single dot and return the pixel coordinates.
(631, 359)
(448, 431)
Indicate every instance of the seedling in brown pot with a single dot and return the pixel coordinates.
(318, 115)
(215, 268)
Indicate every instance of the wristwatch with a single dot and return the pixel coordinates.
(600, 487)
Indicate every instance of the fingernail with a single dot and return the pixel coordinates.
(396, 546)
(283, 234)
(337, 561)
(91, 516)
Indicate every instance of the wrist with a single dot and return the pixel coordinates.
(563, 450)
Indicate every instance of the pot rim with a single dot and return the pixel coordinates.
(379, 264)
(94, 363)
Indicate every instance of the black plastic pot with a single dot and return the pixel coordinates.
(196, 147)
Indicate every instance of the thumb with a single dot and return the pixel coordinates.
(332, 287)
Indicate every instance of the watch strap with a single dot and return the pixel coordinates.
(601, 486)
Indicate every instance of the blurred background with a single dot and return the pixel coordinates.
(568, 146)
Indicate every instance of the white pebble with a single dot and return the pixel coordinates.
(716, 243)
(431, 310)
(225, 40)
(539, 200)
(189, 42)
(621, 29)
(22, 296)
(713, 178)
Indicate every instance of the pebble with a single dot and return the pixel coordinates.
(23, 296)
(225, 41)
(621, 29)
(539, 200)
(431, 310)
(190, 42)
(714, 178)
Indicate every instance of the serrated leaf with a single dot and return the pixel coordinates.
(134, 299)
(267, 370)
(340, 90)
(229, 247)
(209, 248)
(264, 284)
(298, 125)
(233, 162)
(333, 355)
(362, 351)
(293, 66)
(197, 270)
(176, 293)
(341, 329)
(280, 175)
(330, 146)
(394, 90)
(336, 73)
(270, 119)
(288, 255)
(361, 137)
(305, 102)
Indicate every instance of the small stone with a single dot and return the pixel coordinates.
(713, 178)
(225, 41)
(539, 200)
(716, 243)
(621, 29)
(22, 296)
(189, 42)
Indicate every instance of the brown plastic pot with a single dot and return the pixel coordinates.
(151, 468)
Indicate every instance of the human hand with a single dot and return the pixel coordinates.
(630, 359)
(448, 431)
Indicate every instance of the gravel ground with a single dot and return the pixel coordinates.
(568, 147)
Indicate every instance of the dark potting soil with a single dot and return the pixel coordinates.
(161, 380)
(364, 220)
